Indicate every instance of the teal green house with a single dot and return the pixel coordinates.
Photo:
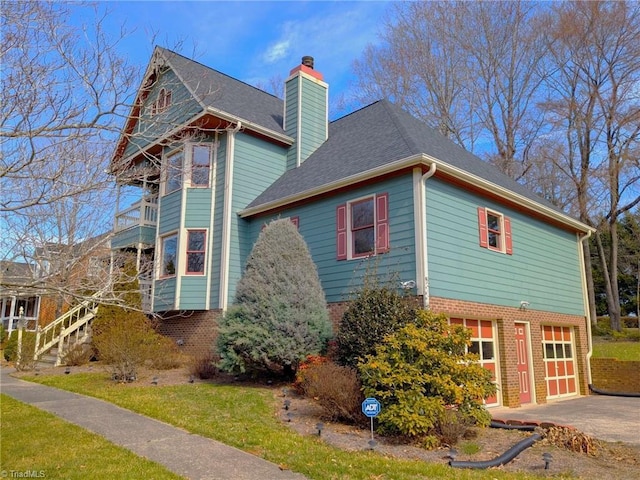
(211, 160)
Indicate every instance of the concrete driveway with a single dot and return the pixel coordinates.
(613, 419)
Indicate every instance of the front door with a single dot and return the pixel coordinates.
(523, 362)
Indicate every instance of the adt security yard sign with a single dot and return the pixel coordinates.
(371, 407)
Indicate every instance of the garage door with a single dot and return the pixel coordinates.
(560, 366)
(483, 344)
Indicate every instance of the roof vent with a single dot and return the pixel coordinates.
(307, 61)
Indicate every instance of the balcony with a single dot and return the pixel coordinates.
(143, 213)
(135, 227)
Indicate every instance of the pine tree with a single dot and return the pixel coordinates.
(280, 313)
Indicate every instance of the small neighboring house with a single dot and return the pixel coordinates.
(18, 297)
(216, 159)
(31, 288)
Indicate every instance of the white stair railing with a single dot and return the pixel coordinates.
(72, 325)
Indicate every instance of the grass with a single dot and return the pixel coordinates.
(620, 350)
(41, 444)
(244, 417)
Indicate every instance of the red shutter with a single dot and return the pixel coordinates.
(482, 227)
(508, 242)
(295, 221)
(382, 223)
(341, 232)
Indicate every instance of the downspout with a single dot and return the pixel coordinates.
(226, 218)
(421, 237)
(585, 294)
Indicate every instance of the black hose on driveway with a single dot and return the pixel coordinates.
(503, 459)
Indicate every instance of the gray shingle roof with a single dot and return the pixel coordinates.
(372, 137)
(215, 89)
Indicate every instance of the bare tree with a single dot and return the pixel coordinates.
(422, 67)
(65, 93)
(594, 99)
(61, 87)
(468, 69)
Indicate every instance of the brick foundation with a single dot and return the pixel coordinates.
(505, 318)
(613, 375)
(194, 332)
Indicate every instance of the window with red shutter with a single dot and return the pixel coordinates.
(362, 227)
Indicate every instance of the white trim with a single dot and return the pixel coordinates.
(298, 144)
(419, 228)
(286, 139)
(423, 159)
(212, 180)
(585, 300)
(226, 217)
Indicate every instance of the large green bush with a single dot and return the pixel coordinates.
(280, 314)
(375, 312)
(421, 371)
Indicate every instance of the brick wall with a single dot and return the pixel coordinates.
(195, 332)
(612, 375)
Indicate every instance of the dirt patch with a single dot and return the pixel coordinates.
(612, 460)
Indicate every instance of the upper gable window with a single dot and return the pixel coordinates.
(173, 172)
(200, 165)
(162, 102)
(362, 227)
(494, 231)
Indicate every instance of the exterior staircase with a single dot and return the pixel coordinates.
(71, 328)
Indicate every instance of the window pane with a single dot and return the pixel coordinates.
(494, 239)
(475, 348)
(548, 350)
(174, 172)
(195, 263)
(200, 155)
(567, 351)
(493, 222)
(362, 214)
(363, 241)
(200, 165)
(487, 350)
(559, 352)
(196, 241)
(169, 248)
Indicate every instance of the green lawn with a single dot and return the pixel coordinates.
(616, 349)
(37, 442)
(244, 417)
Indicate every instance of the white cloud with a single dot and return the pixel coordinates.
(278, 51)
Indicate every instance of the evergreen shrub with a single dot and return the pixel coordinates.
(376, 311)
(279, 314)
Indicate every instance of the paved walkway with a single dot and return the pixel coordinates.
(613, 419)
(191, 456)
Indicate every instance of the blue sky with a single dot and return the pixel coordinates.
(253, 41)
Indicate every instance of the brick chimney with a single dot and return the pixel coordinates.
(306, 111)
